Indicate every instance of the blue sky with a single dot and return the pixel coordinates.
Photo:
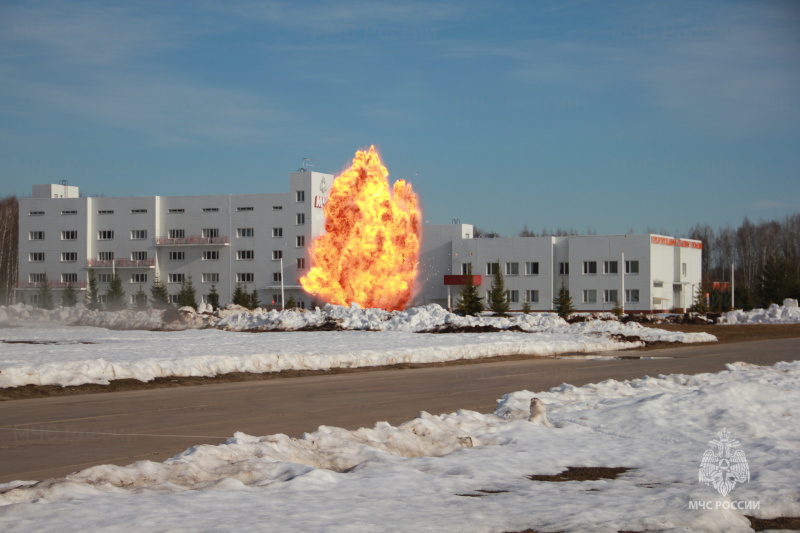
(603, 116)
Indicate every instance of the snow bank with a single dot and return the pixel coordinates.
(788, 313)
(465, 471)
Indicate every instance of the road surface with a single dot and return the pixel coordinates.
(49, 437)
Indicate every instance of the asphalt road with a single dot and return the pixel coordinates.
(49, 437)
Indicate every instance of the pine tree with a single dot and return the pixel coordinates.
(254, 301)
(69, 298)
(498, 299)
(699, 305)
(526, 306)
(291, 303)
(187, 296)
(775, 281)
(240, 296)
(617, 309)
(563, 302)
(159, 294)
(45, 293)
(213, 297)
(92, 293)
(469, 303)
(141, 299)
(115, 297)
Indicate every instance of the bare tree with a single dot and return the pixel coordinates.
(9, 247)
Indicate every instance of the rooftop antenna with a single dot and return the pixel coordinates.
(305, 164)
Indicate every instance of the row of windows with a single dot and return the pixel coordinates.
(140, 234)
(532, 268)
(611, 296)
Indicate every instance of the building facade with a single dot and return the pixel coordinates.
(639, 272)
(260, 241)
(256, 240)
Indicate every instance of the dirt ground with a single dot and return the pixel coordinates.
(725, 334)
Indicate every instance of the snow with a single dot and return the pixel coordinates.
(788, 313)
(45, 348)
(464, 471)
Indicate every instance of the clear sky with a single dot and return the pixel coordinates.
(590, 115)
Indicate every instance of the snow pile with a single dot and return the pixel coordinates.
(466, 471)
(788, 313)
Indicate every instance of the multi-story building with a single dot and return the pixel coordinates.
(641, 272)
(261, 242)
(256, 240)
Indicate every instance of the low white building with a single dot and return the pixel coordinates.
(261, 242)
(641, 272)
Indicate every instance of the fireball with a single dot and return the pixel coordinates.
(370, 249)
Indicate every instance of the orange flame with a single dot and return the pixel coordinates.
(370, 250)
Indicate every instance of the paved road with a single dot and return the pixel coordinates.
(49, 437)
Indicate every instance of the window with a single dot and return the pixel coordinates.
(563, 269)
(245, 277)
(35, 213)
(300, 196)
(176, 233)
(70, 212)
(277, 254)
(69, 235)
(105, 212)
(277, 300)
(36, 236)
(245, 232)
(177, 256)
(276, 277)
(512, 297)
(590, 267)
(658, 283)
(34, 299)
(102, 298)
(173, 299)
(277, 207)
(466, 269)
(683, 269)
(36, 257)
(104, 278)
(174, 278)
(71, 277)
(245, 255)
(589, 296)
(632, 296)
(631, 267)
(69, 257)
(244, 208)
(512, 269)
(610, 296)
(210, 209)
(210, 277)
(37, 278)
(277, 232)
(301, 262)
(105, 256)
(492, 268)
(175, 211)
(300, 241)
(135, 211)
(532, 296)
(210, 233)
(139, 278)
(210, 255)
(138, 234)
(139, 255)
(300, 219)
(105, 235)
(532, 269)
(610, 267)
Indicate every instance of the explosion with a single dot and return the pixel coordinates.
(370, 250)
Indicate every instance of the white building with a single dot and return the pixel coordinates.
(660, 273)
(261, 241)
(258, 240)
